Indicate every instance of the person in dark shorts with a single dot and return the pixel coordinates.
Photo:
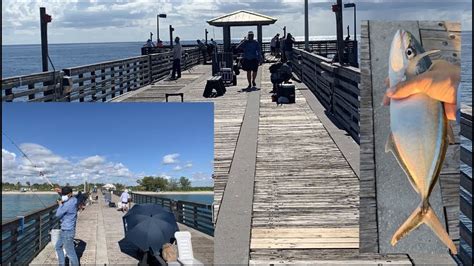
(288, 47)
(251, 58)
(177, 54)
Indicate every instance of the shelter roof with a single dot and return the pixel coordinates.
(242, 18)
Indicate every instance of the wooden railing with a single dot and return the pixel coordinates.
(192, 214)
(24, 238)
(465, 216)
(335, 86)
(324, 48)
(96, 82)
(40, 87)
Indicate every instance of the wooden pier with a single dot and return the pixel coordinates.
(288, 193)
(98, 230)
(287, 184)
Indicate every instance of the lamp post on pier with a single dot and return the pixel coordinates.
(306, 26)
(205, 33)
(158, 25)
(171, 36)
(44, 20)
(348, 5)
(354, 51)
(337, 9)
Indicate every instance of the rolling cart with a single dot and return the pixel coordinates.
(223, 66)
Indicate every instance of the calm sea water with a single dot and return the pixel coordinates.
(20, 204)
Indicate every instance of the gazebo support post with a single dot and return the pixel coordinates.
(227, 44)
(260, 36)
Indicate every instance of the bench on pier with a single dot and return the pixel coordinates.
(175, 94)
(214, 83)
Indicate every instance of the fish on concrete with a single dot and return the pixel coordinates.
(419, 134)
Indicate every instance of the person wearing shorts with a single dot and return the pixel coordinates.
(124, 198)
(251, 58)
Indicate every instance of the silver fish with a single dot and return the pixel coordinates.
(418, 137)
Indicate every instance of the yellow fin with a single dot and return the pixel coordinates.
(427, 216)
(450, 133)
(389, 145)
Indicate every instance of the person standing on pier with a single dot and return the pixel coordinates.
(124, 198)
(275, 44)
(251, 58)
(67, 212)
(288, 47)
(177, 54)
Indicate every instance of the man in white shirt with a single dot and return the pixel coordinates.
(124, 199)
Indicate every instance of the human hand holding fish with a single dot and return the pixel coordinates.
(440, 82)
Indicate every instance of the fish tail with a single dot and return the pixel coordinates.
(424, 214)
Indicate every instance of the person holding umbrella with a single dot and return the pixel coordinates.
(67, 212)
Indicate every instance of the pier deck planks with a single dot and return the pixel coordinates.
(306, 194)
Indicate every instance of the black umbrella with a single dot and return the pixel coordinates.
(141, 212)
(151, 234)
(130, 249)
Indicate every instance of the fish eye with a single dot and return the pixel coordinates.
(410, 53)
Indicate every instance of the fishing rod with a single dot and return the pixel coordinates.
(28, 158)
(41, 173)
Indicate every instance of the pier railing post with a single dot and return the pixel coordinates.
(93, 86)
(66, 87)
(150, 70)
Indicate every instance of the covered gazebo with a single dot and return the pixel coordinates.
(241, 18)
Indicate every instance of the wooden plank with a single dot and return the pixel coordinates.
(294, 155)
(369, 238)
(440, 25)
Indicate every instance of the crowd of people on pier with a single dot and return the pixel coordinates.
(282, 47)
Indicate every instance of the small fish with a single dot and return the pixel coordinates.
(419, 134)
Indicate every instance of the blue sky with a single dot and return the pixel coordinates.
(84, 21)
(108, 142)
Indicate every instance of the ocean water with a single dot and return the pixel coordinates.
(26, 59)
(20, 204)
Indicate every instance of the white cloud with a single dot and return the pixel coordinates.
(185, 166)
(165, 176)
(60, 170)
(92, 161)
(171, 158)
(132, 20)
